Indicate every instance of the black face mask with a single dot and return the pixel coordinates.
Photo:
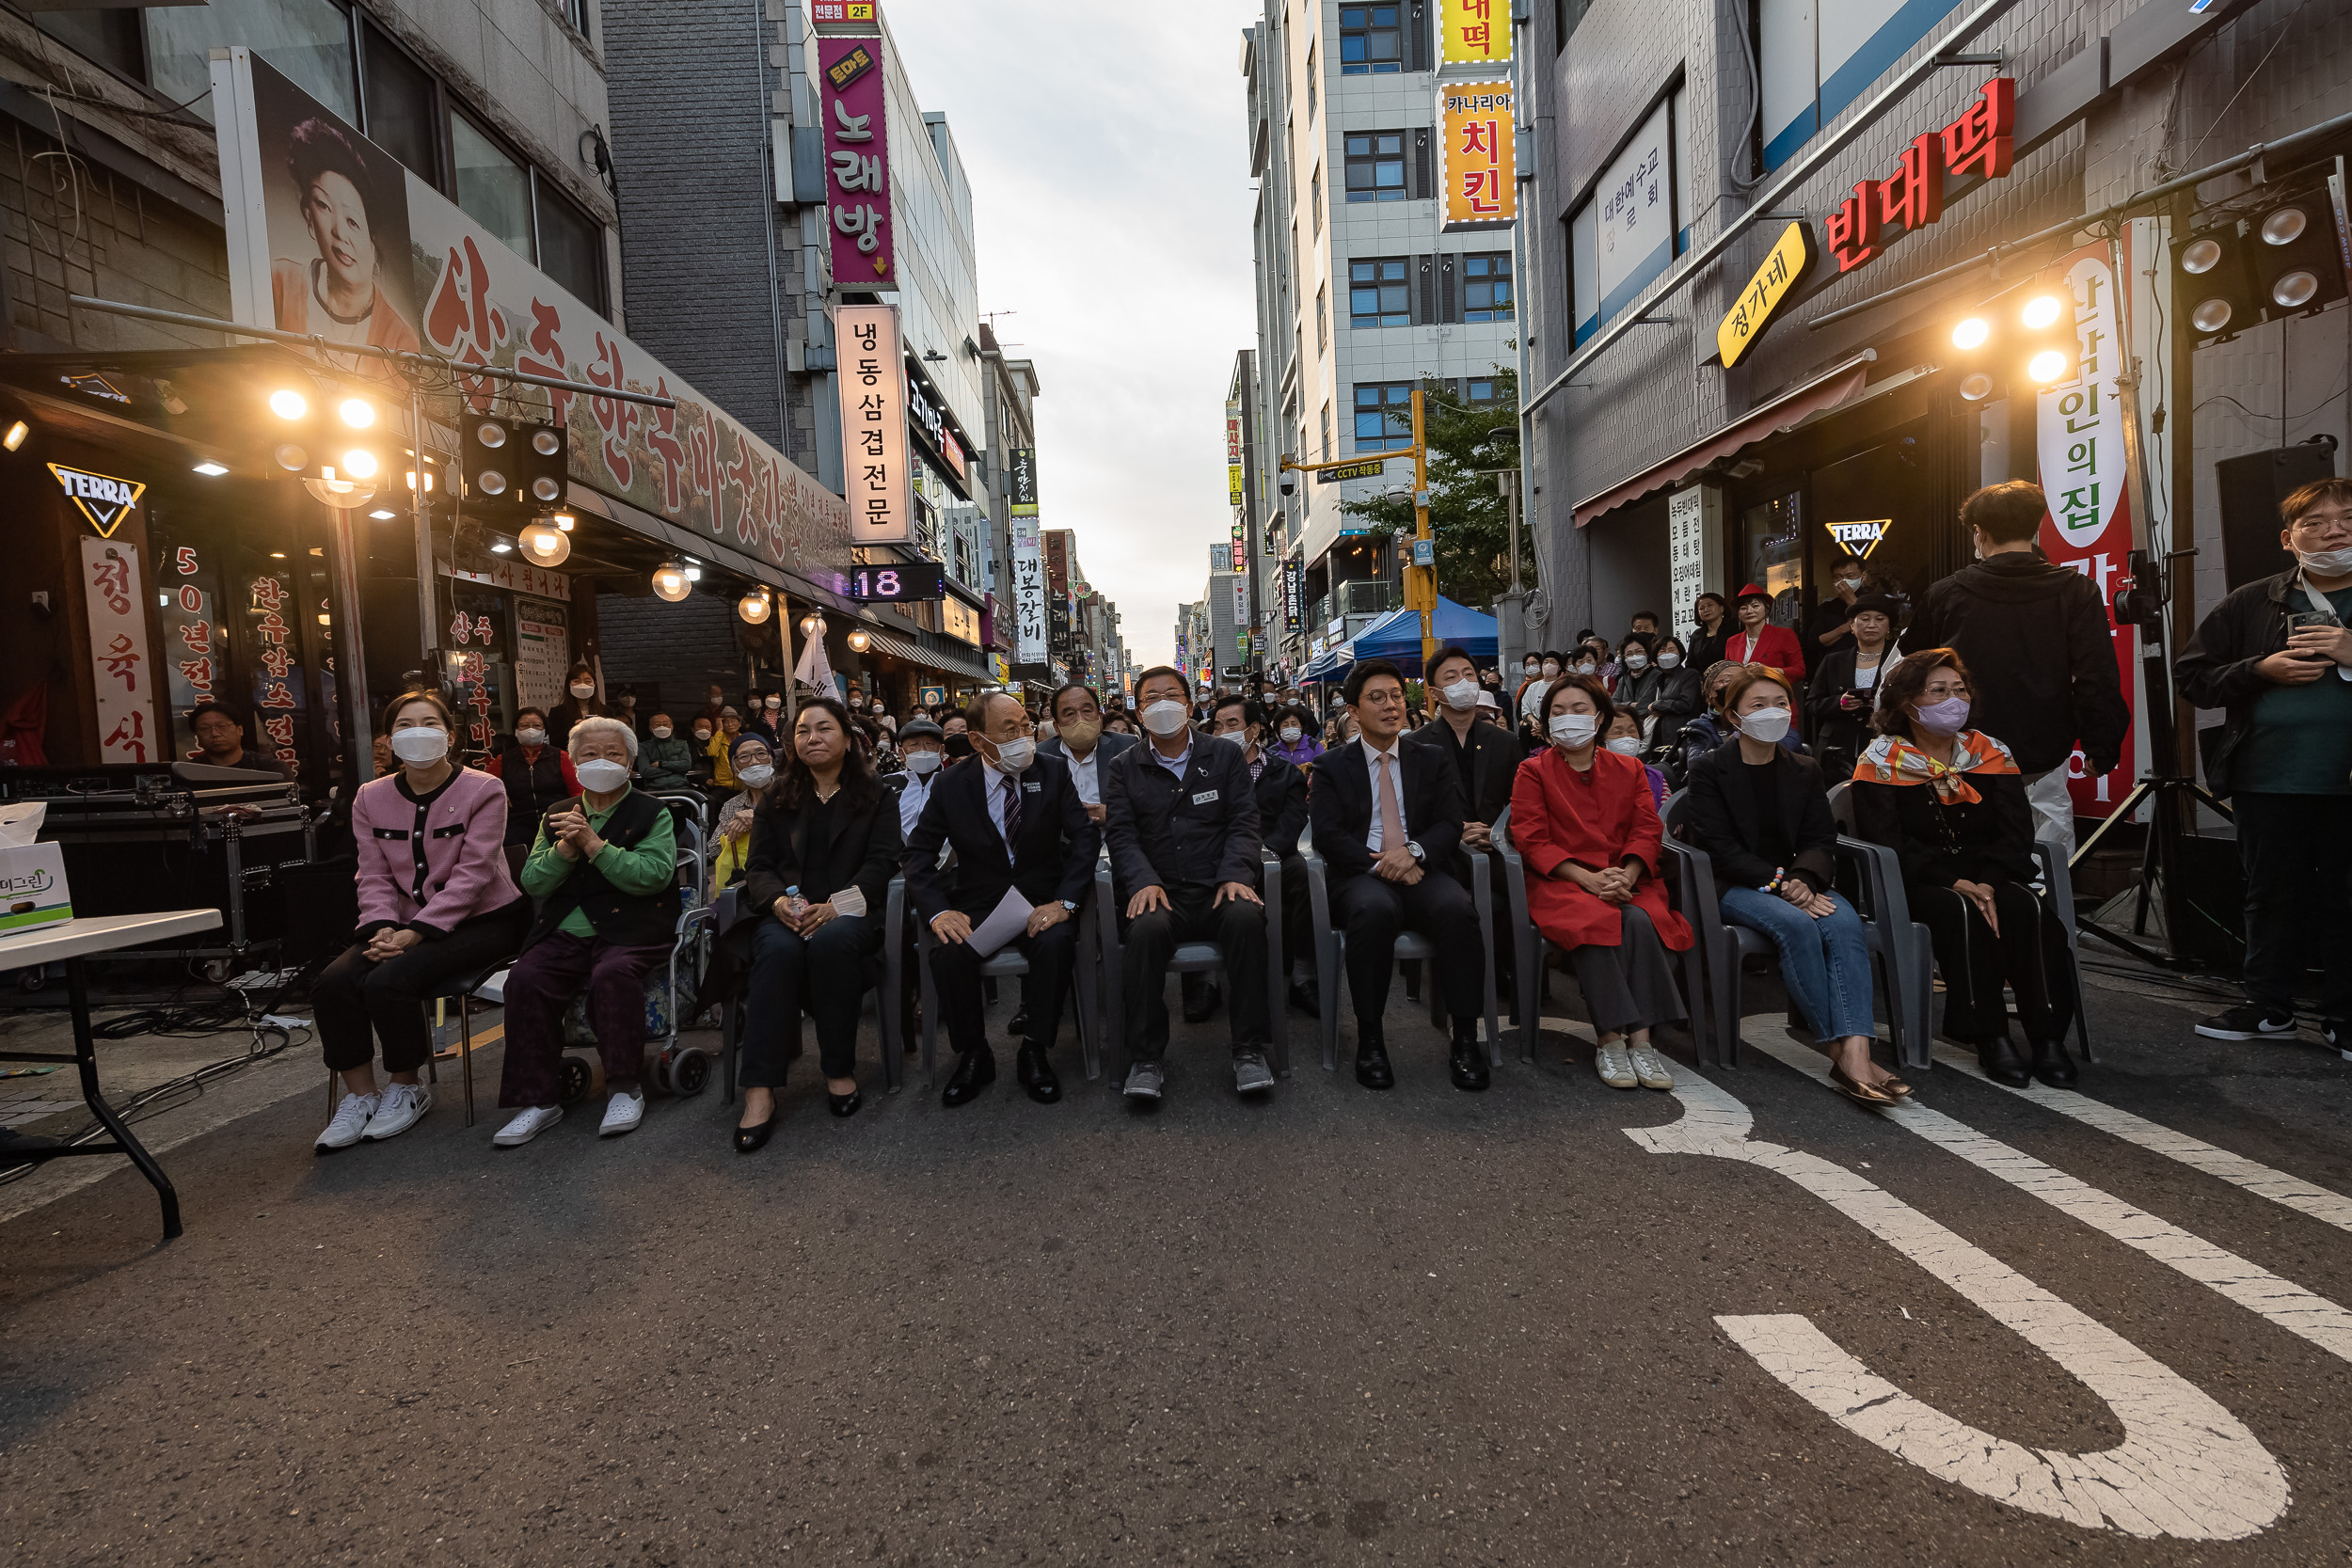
(959, 745)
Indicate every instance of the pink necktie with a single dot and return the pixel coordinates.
(1391, 820)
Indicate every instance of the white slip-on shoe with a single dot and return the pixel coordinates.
(1616, 1066)
(1650, 1068)
(351, 1119)
(622, 1113)
(399, 1107)
(526, 1125)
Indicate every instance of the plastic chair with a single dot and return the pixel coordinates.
(2059, 880)
(1533, 949)
(1009, 960)
(1191, 958)
(885, 983)
(1331, 951)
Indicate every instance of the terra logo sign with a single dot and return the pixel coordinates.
(1859, 539)
(103, 500)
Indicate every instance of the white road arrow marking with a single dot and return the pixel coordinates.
(2186, 1468)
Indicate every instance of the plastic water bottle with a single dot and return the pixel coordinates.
(794, 902)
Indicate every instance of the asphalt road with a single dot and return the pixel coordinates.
(1337, 1326)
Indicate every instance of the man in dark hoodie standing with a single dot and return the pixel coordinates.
(2039, 651)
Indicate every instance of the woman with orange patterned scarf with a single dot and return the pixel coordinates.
(1952, 804)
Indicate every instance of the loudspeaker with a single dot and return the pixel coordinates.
(2251, 489)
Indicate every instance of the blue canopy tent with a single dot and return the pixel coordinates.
(1396, 636)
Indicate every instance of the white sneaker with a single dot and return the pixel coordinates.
(526, 1125)
(351, 1121)
(622, 1113)
(1650, 1068)
(1615, 1068)
(399, 1107)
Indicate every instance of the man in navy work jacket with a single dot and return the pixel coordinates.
(1387, 816)
(1012, 821)
(1183, 820)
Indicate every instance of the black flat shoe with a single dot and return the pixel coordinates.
(2001, 1063)
(1371, 1059)
(1469, 1066)
(843, 1105)
(1036, 1074)
(975, 1070)
(2052, 1065)
(750, 1140)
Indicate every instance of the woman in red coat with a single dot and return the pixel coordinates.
(1584, 819)
(1757, 642)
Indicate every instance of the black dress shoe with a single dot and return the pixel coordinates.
(843, 1105)
(1470, 1072)
(1019, 1027)
(1306, 999)
(1998, 1057)
(1036, 1074)
(750, 1140)
(1371, 1057)
(2052, 1065)
(1201, 999)
(976, 1072)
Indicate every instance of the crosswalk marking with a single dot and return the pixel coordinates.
(2186, 1468)
(2290, 1192)
(2256, 1289)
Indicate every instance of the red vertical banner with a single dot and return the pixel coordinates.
(2085, 472)
(857, 160)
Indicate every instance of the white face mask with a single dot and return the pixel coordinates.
(1291, 734)
(1014, 757)
(1574, 730)
(923, 763)
(1532, 667)
(1852, 583)
(1637, 661)
(2326, 563)
(1238, 738)
(1627, 745)
(1586, 667)
(756, 778)
(603, 775)
(1669, 660)
(531, 738)
(420, 745)
(661, 731)
(1461, 694)
(584, 690)
(1550, 668)
(702, 735)
(1165, 717)
(1767, 724)
(774, 702)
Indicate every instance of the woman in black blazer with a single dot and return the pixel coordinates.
(1846, 687)
(1951, 803)
(1675, 701)
(824, 845)
(1761, 814)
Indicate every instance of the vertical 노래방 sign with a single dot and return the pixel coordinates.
(873, 424)
(852, 103)
(1028, 596)
(1478, 149)
(413, 272)
(1474, 32)
(121, 671)
(2079, 443)
(1686, 542)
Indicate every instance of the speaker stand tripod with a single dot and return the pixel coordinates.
(2172, 801)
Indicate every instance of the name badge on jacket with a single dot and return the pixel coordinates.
(1204, 797)
(1031, 788)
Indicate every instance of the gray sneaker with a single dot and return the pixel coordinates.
(1250, 1072)
(1144, 1079)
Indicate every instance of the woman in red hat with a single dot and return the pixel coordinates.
(1757, 642)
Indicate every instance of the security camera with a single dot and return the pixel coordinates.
(1287, 484)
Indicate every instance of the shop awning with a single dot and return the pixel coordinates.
(898, 647)
(1793, 408)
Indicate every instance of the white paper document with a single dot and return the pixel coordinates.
(850, 900)
(1004, 923)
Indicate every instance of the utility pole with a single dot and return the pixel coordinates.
(1420, 578)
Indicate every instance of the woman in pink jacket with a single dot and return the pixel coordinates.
(436, 902)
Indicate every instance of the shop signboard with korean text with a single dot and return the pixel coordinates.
(852, 103)
(428, 278)
(2079, 441)
(1233, 453)
(1783, 270)
(543, 651)
(1477, 155)
(1028, 596)
(1980, 145)
(1686, 539)
(1631, 219)
(121, 669)
(1020, 463)
(1474, 32)
(195, 642)
(873, 387)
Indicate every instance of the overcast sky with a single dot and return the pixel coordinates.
(1107, 149)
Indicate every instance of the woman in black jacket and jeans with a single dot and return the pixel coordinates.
(1951, 802)
(824, 846)
(1846, 687)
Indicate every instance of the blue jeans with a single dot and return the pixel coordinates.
(1824, 963)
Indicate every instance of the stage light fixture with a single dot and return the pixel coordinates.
(360, 462)
(2046, 367)
(287, 403)
(359, 413)
(2212, 285)
(2293, 257)
(1976, 387)
(2041, 311)
(1970, 335)
(509, 460)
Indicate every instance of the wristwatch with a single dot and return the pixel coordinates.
(1418, 856)
(1066, 905)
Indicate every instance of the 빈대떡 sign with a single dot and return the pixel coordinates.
(1474, 32)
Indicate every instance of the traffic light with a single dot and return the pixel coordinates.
(2023, 339)
(509, 462)
(333, 440)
